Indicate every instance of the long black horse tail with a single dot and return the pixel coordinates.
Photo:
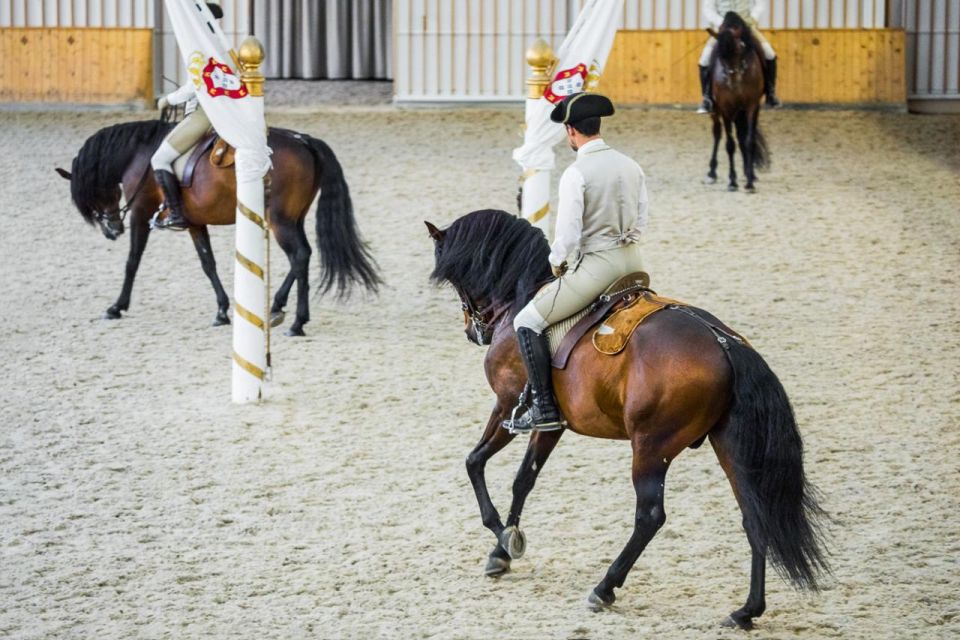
(761, 153)
(780, 507)
(345, 259)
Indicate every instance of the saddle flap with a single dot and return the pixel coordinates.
(193, 157)
(222, 155)
(565, 335)
(613, 334)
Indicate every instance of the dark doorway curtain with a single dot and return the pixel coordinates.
(336, 39)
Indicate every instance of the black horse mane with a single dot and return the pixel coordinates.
(726, 42)
(495, 256)
(103, 158)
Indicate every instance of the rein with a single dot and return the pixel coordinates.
(126, 208)
(482, 320)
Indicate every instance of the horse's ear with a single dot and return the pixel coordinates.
(66, 175)
(435, 233)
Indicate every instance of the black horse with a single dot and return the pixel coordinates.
(115, 161)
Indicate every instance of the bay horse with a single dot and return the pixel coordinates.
(683, 377)
(115, 161)
(737, 89)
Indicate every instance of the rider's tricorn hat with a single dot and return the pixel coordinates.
(215, 9)
(580, 106)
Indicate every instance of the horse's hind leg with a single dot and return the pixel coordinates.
(293, 241)
(494, 439)
(731, 148)
(717, 134)
(201, 240)
(139, 232)
(538, 450)
(649, 473)
(756, 603)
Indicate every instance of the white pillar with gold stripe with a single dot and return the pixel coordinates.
(535, 182)
(250, 324)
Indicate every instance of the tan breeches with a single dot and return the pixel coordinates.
(186, 134)
(189, 132)
(768, 52)
(575, 290)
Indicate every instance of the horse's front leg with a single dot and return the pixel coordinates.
(745, 139)
(139, 232)
(712, 174)
(201, 240)
(494, 439)
(538, 450)
(731, 148)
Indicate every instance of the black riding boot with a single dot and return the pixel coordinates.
(171, 195)
(542, 413)
(770, 84)
(707, 105)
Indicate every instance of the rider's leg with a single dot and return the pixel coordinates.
(706, 106)
(770, 76)
(179, 141)
(561, 299)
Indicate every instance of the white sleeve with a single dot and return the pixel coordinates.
(642, 212)
(181, 95)
(569, 216)
(710, 14)
(758, 9)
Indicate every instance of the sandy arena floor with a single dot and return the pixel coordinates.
(137, 502)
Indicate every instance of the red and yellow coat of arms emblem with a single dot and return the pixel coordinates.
(220, 80)
(566, 82)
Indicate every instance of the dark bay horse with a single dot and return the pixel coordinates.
(116, 160)
(737, 86)
(676, 384)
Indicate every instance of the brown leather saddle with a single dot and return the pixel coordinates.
(620, 295)
(222, 155)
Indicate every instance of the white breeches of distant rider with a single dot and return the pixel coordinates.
(575, 290)
(768, 52)
(186, 134)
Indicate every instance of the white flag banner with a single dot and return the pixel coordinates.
(580, 61)
(236, 116)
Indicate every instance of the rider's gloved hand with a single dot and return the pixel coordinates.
(162, 103)
(559, 271)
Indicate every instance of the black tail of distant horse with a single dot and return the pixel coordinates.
(780, 509)
(344, 258)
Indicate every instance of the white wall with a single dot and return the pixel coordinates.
(472, 50)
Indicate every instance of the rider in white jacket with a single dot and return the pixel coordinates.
(750, 11)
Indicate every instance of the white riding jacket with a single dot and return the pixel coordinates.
(749, 10)
(187, 95)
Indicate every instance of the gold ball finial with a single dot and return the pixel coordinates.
(540, 58)
(251, 53)
(251, 57)
(540, 54)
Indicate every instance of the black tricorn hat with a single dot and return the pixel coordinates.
(215, 9)
(580, 106)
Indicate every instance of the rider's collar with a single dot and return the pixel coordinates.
(594, 145)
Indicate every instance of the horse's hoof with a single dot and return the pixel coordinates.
(733, 623)
(598, 602)
(112, 314)
(514, 542)
(496, 567)
(295, 332)
(750, 189)
(710, 180)
(221, 319)
(277, 318)
(732, 187)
